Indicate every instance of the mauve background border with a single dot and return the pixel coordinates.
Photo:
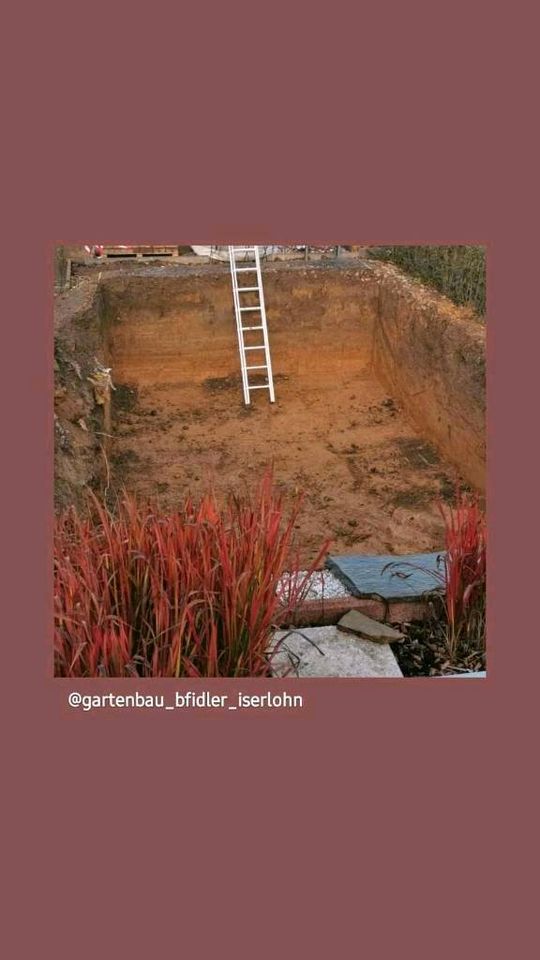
(386, 816)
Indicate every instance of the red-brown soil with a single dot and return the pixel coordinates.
(371, 370)
(370, 483)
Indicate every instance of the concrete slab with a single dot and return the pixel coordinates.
(409, 576)
(356, 622)
(328, 652)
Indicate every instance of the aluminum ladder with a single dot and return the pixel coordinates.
(249, 351)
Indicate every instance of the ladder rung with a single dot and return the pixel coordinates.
(245, 289)
(252, 328)
(249, 308)
(245, 269)
(260, 386)
(259, 366)
(260, 346)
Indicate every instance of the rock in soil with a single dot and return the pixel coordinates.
(357, 623)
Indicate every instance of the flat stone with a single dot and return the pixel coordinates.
(405, 577)
(328, 652)
(356, 622)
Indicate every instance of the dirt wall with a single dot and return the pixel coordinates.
(79, 339)
(181, 329)
(431, 356)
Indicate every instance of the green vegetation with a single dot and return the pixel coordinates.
(458, 272)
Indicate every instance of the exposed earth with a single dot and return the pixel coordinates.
(371, 484)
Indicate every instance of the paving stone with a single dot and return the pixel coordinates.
(328, 652)
(391, 577)
(356, 622)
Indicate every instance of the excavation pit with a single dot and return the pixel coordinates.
(379, 385)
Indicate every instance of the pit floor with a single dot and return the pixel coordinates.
(371, 484)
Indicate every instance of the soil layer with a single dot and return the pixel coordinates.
(371, 485)
(377, 379)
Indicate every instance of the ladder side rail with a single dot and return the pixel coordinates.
(265, 327)
(239, 327)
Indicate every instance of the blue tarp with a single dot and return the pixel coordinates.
(408, 577)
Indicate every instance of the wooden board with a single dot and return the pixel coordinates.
(139, 251)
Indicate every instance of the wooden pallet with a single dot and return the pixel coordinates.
(139, 252)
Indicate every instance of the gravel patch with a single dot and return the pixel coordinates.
(323, 585)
